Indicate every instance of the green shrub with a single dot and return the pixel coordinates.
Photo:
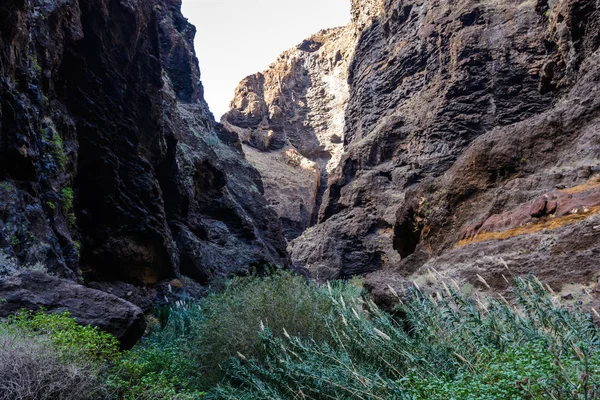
(233, 318)
(51, 357)
(186, 353)
(66, 335)
(152, 372)
(447, 347)
(161, 366)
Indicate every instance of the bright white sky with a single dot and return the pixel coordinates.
(237, 38)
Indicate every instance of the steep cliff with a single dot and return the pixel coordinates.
(473, 122)
(111, 164)
(290, 119)
(470, 145)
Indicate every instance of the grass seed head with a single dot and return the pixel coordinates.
(382, 335)
(480, 279)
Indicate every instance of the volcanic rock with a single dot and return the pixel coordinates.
(290, 119)
(111, 164)
(33, 290)
(470, 146)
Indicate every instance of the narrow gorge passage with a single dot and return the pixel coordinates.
(424, 142)
(419, 136)
(291, 121)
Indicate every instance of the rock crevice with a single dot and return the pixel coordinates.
(290, 119)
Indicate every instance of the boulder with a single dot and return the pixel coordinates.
(33, 290)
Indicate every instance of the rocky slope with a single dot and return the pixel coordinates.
(290, 119)
(111, 166)
(471, 146)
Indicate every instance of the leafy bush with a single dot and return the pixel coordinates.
(233, 318)
(67, 336)
(444, 347)
(51, 357)
(162, 366)
(185, 354)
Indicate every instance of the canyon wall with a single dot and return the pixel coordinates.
(290, 119)
(112, 168)
(454, 138)
(471, 146)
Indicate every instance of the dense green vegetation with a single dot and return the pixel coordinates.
(52, 357)
(189, 352)
(283, 338)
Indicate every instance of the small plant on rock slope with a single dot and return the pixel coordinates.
(57, 147)
(67, 199)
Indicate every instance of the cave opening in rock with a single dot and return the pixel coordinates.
(407, 234)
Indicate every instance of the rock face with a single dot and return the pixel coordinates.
(110, 161)
(112, 169)
(34, 290)
(471, 145)
(291, 120)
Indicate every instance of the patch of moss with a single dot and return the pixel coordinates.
(67, 200)
(6, 185)
(67, 197)
(77, 245)
(35, 66)
(58, 149)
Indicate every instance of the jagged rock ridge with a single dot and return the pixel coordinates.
(290, 119)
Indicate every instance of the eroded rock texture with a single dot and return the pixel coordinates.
(111, 164)
(291, 121)
(34, 290)
(471, 143)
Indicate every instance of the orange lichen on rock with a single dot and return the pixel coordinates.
(591, 184)
(549, 223)
(549, 211)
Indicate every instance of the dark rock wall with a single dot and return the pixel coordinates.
(111, 164)
(470, 145)
(431, 84)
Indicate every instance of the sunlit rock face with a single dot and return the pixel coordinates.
(111, 166)
(290, 119)
(471, 146)
(470, 142)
